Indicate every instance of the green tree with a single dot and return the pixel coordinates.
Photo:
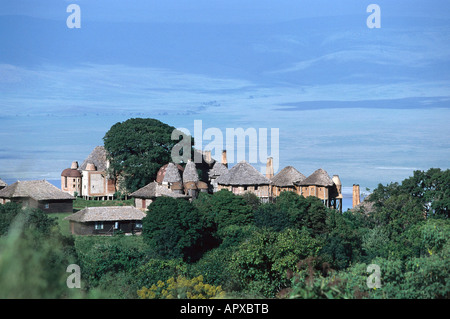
(267, 215)
(343, 241)
(432, 188)
(34, 255)
(223, 209)
(173, 228)
(137, 149)
(8, 212)
(303, 212)
(261, 263)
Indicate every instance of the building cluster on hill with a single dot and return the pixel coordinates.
(91, 180)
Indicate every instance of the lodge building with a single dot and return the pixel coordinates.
(91, 180)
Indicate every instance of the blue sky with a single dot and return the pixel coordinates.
(371, 105)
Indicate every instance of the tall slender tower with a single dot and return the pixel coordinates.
(269, 168)
(224, 158)
(356, 195)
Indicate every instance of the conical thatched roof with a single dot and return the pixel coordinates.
(217, 170)
(287, 177)
(38, 190)
(148, 191)
(153, 190)
(162, 172)
(190, 173)
(98, 158)
(172, 174)
(109, 213)
(318, 178)
(243, 174)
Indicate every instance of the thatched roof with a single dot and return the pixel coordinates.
(108, 213)
(217, 170)
(243, 174)
(190, 172)
(153, 190)
(318, 178)
(98, 158)
(162, 172)
(2, 183)
(38, 190)
(287, 177)
(172, 174)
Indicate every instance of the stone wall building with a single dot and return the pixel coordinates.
(90, 180)
(71, 180)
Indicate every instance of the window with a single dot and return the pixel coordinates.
(46, 206)
(65, 181)
(139, 224)
(98, 225)
(116, 225)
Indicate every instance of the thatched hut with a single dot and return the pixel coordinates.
(171, 174)
(106, 220)
(320, 185)
(215, 172)
(38, 194)
(285, 180)
(242, 178)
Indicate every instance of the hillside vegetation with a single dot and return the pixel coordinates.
(224, 245)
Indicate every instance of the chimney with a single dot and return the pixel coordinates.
(356, 196)
(207, 156)
(74, 165)
(224, 158)
(269, 168)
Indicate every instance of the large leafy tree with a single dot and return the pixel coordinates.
(261, 262)
(303, 212)
(173, 228)
(138, 148)
(223, 209)
(432, 188)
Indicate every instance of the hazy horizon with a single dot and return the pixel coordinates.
(370, 105)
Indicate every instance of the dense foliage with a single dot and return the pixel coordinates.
(228, 245)
(137, 149)
(33, 255)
